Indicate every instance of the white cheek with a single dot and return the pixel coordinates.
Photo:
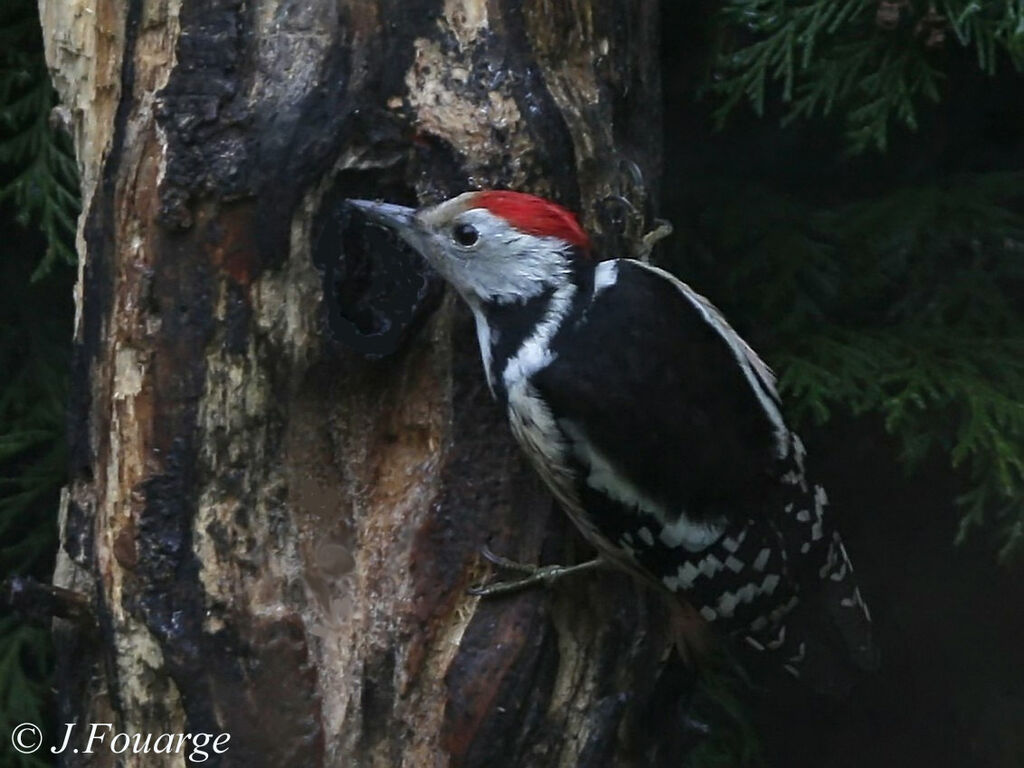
(516, 268)
(506, 265)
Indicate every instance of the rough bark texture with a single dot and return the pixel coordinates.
(282, 476)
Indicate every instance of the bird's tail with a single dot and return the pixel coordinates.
(785, 587)
(828, 635)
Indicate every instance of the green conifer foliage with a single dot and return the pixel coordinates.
(39, 177)
(872, 61)
(903, 305)
(38, 210)
(900, 302)
(897, 300)
(35, 319)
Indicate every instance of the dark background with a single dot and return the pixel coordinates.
(803, 240)
(950, 620)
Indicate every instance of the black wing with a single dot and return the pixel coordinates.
(686, 465)
(665, 390)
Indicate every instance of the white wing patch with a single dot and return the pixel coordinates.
(688, 534)
(605, 275)
(677, 529)
(762, 559)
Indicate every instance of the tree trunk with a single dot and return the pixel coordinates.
(285, 458)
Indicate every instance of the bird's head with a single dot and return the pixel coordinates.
(492, 246)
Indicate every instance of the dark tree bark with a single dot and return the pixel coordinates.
(285, 459)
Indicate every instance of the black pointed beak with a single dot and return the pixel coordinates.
(399, 218)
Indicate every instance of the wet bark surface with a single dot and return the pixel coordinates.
(285, 457)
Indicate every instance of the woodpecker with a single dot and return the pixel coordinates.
(657, 428)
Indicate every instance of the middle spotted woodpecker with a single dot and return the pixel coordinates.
(657, 428)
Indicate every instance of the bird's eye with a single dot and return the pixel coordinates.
(465, 235)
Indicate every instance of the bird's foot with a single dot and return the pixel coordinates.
(533, 574)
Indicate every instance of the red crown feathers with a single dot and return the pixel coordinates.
(534, 216)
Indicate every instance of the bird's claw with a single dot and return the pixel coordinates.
(503, 562)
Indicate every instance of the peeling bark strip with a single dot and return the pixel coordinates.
(277, 532)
